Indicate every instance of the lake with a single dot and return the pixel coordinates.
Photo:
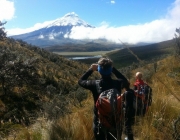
(84, 57)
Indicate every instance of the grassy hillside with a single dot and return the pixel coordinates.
(41, 100)
(124, 57)
(35, 83)
(159, 122)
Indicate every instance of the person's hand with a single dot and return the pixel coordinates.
(94, 67)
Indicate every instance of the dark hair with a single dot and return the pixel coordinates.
(105, 62)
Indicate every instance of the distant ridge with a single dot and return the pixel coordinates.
(149, 52)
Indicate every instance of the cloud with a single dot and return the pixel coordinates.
(112, 2)
(16, 31)
(154, 31)
(6, 10)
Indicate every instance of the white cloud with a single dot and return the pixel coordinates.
(16, 31)
(6, 10)
(112, 2)
(154, 31)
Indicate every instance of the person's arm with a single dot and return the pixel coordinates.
(122, 77)
(83, 82)
(118, 74)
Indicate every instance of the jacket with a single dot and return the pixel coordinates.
(106, 82)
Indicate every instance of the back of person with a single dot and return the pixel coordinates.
(143, 95)
(109, 117)
(110, 108)
(104, 67)
(109, 83)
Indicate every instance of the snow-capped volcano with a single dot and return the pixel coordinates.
(70, 19)
(55, 33)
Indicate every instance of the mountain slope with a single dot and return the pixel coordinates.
(56, 32)
(124, 57)
(35, 82)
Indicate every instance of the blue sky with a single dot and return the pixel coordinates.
(131, 20)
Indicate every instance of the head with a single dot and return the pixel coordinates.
(138, 75)
(105, 66)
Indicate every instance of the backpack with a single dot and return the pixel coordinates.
(142, 99)
(109, 106)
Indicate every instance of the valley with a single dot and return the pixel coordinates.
(84, 55)
(122, 57)
(92, 53)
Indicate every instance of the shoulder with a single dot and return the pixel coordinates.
(139, 82)
(87, 83)
(118, 80)
(136, 83)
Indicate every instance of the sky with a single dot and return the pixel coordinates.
(129, 21)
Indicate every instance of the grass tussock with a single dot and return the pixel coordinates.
(78, 125)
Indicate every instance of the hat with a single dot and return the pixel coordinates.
(104, 71)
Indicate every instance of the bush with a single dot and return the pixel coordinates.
(80, 95)
(2, 31)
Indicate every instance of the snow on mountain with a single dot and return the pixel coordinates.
(70, 19)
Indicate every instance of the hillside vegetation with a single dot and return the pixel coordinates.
(35, 83)
(162, 122)
(156, 51)
(158, 124)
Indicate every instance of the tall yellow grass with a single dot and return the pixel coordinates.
(158, 122)
(156, 125)
(76, 126)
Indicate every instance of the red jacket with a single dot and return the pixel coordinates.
(138, 82)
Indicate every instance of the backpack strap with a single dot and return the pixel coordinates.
(98, 86)
(115, 85)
